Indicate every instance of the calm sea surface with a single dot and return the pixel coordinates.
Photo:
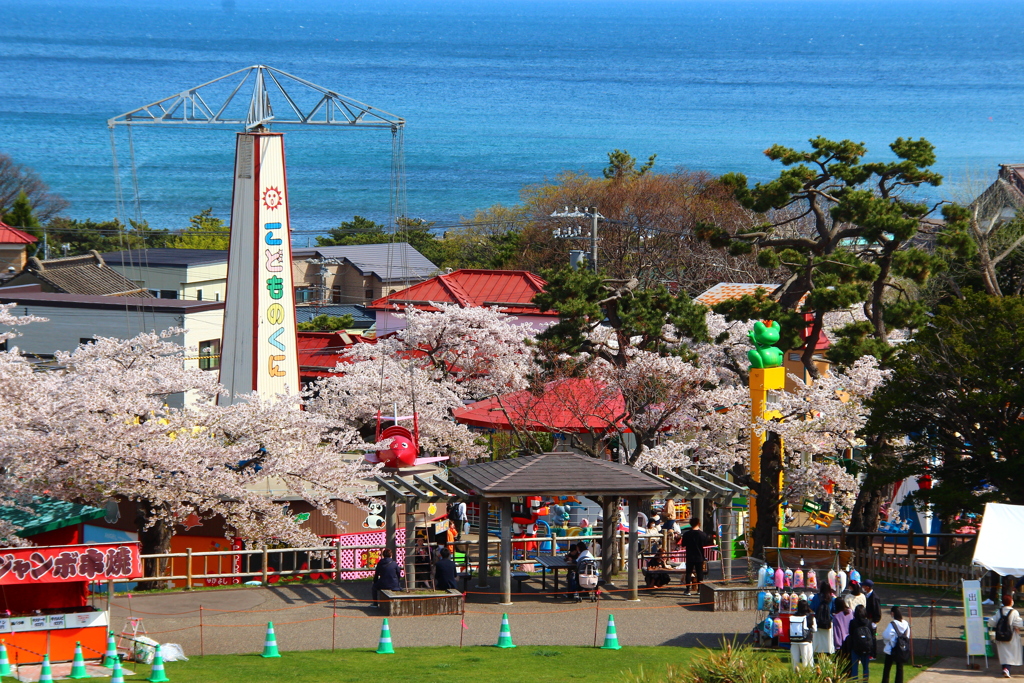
(498, 95)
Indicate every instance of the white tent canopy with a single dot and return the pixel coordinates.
(997, 548)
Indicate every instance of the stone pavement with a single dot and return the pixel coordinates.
(954, 670)
(234, 619)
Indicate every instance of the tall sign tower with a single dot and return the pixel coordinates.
(258, 350)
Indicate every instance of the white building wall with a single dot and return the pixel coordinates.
(211, 278)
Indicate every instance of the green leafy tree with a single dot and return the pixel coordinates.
(106, 236)
(645, 319)
(622, 166)
(22, 216)
(844, 229)
(417, 232)
(16, 179)
(328, 323)
(955, 391)
(204, 232)
(359, 230)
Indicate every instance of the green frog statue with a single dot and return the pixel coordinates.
(763, 337)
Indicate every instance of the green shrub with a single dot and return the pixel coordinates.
(744, 664)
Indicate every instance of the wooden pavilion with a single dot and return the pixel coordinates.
(556, 474)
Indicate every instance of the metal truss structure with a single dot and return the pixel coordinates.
(219, 102)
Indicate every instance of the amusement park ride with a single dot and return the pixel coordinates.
(259, 340)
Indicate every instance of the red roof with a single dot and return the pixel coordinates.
(568, 405)
(320, 352)
(512, 290)
(9, 235)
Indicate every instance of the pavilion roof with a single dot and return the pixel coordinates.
(555, 474)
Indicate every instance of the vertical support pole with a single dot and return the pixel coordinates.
(410, 545)
(727, 534)
(334, 621)
(337, 562)
(188, 569)
(506, 551)
(266, 568)
(481, 579)
(634, 517)
(110, 596)
(390, 521)
(593, 240)
(609, 549)
(698, 508)
(202, 642)
(622, 553)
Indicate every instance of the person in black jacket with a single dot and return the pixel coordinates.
(445, 571)
(873, 608)
(386, 575)
(694, 540)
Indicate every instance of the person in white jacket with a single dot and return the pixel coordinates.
(801, 635)
(1009, 651)
(896, 628)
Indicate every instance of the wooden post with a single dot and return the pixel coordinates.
(481, 579)
(202, 642)
(410, 545)
(727, 534)
(337, 563)
(266, 570)
(390, 521)
(188, 569)
(622, 548)
(634, 517)
(610, 508)
(506, 551)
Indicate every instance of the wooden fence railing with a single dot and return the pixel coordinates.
(912, 569)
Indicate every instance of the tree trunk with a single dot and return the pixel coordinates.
(768, 496)
(154, 540)
(865, 511)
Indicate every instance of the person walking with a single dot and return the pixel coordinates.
(859, 643)
(823, 608)
(802, 628)
(857, 597)
(1008, 643)
(841, 623)
(873, 607)
(896, 638)
(694, 541)
(385, 575)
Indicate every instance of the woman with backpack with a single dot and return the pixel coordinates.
(896, 638)
(801, 630)
(822, 607)
(1008, 644)
(841, 622)
(860, 642)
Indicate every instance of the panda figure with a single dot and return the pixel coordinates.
(374, 521)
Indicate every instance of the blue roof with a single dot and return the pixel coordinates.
(174, 258)
(362, 317)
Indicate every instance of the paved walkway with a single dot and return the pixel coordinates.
(233, 620)
(954, 670)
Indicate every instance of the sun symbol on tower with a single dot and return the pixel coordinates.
(271, 198)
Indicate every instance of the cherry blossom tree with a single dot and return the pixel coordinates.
(102, 425)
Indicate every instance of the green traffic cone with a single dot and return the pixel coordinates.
(384, 646)
(78, 665)
(611, 638)
(116, 674)
(45, 675)
(505, 635)
(270, 642)
(110, 656)
(5, 664)
(157, 674)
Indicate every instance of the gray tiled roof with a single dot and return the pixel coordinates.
(173, 258)
(389, 262)
(362, 317)
(555, 474)
(85, 274)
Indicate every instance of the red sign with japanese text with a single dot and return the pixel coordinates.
(54, 564)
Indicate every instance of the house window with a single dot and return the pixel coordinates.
(216, 296)
(369, 294)
(209, 355)
(336, 294)
(199, 295)
(168, 294)
(86, 340)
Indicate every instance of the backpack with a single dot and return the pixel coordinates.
(1004, 631)
(799, 629)
(862, 640)
(823, 615)
(901, 650)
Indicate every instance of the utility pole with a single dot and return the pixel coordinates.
(576, 232)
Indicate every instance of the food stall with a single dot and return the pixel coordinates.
(44, 598)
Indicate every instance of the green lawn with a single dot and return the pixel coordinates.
(438, 665)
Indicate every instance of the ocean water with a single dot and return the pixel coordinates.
(501, 94)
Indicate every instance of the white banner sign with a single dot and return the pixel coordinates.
(974, 623)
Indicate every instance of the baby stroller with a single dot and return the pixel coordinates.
(587, 576)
